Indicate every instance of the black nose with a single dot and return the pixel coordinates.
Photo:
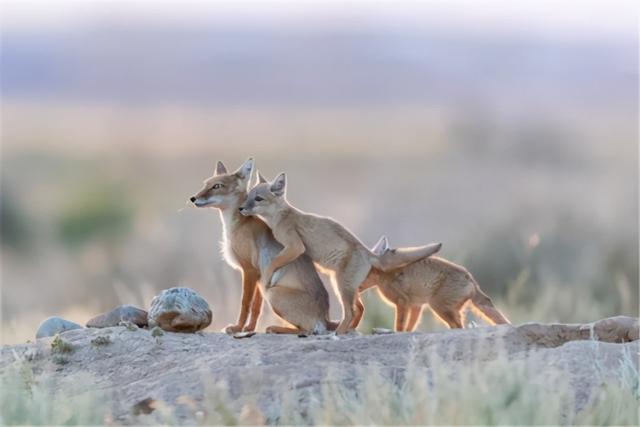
(193, 199)
(241, 208)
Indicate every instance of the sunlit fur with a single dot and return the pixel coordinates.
(299, 297)
(446, 287)
(328, 243)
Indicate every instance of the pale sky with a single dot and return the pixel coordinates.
(567, 19)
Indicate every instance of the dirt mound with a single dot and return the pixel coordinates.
(262, 377)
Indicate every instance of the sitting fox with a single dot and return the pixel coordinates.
(443, 285)
(328, 243)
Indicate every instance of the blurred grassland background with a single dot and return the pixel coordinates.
(507, 131)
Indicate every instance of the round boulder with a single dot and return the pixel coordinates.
(123, 313)
(55, 325)
(179, 310)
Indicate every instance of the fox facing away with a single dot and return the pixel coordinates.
(443, 285)
(298, 297)
(329, 244)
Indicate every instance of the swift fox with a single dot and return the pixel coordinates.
(445, 286)
(299, 296)
(328, 243)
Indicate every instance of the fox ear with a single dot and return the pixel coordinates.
(279, 185)
(244, 172)
(221, 169)
(381, 247)
(259, 179)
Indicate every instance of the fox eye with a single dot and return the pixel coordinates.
(258, 199)
(216, 186)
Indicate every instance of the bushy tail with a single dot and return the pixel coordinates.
(484, 306)
(400, 257)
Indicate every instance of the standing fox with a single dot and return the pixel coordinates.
(445, 286)
(329, 244)
(248, 245)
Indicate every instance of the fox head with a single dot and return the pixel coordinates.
(265, 198)
(224, 189)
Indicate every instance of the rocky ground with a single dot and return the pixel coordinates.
(137, 370)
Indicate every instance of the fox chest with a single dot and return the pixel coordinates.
(236, 253)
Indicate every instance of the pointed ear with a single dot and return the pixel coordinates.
(381, 247)
(221, 169)
(259, 179)
(244, 172)
(279, 185)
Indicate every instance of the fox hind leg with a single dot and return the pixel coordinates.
(347, 282)
(359, 312)
(415, 314)
(401, 317)
(452, 317)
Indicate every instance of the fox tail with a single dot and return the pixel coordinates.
(484, 306)
(395, 258)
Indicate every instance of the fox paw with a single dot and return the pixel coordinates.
(249, 328)
(232, 329)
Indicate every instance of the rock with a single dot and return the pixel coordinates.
(613, 329)
(123, 313)
(55, 325)
(179, 310)
(145, 406)
(617, 329)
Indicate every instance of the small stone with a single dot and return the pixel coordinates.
(157, 332)
(129, 325)
(180, 310)
(381, 331)
(240, 335)
(55, 325)
(123, 313)
(145, 406)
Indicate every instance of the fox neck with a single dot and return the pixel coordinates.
(231, 217)
(282, 210)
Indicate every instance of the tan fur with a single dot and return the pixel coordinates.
(298, 297)
(328, 243)
(446, 287)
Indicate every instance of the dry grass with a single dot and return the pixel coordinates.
(496, 392)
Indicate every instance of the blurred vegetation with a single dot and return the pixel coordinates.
(28, 400)
(97, 211)
(15, 231)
